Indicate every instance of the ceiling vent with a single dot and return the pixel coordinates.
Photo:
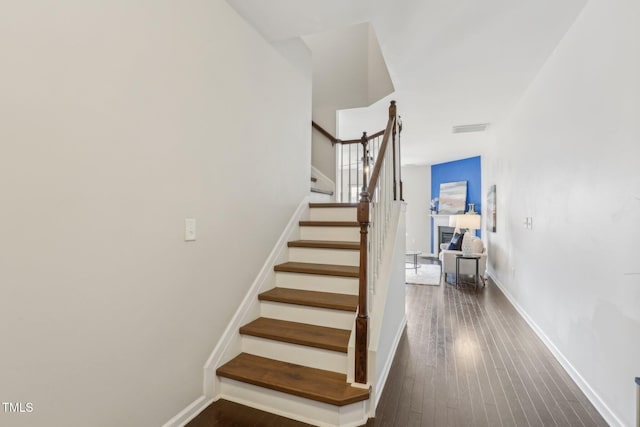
(478, 127)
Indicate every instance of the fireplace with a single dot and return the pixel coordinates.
(440, 232)
(445, 233)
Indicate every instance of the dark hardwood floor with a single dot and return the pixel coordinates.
(223, 413)
(470, 359)
(465, 359)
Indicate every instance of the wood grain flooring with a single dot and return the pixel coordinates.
(223, 413)
(471, 360)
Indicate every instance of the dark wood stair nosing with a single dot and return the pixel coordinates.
(324, 244)
(333, 205)
(321, 191)
(329, 224)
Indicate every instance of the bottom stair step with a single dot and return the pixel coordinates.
(316, 384)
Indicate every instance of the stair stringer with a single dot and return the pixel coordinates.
(387, 317)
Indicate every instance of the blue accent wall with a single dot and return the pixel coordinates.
(459, 170)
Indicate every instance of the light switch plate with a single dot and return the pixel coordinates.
(528, 222)
(189, 229)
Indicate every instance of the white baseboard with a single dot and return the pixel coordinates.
(381, 381)
(189, 413)
(582, 384)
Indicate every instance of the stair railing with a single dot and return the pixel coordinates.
(377, 189)
(351, 161)
(374, 215)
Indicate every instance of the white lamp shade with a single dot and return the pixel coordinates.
(472, 222)
(453, 221)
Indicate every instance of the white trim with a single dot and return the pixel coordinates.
(189, 413)
(381, 381)
(582, 384)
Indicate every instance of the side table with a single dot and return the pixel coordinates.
(475, 258)
(414, 254)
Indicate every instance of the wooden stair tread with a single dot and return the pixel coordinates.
(311, 383)
(299, 333)
(325, 269)
(329, 300)
(324, 244)
(329, 224)
(333, 205)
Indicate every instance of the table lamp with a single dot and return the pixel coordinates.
(470, 221)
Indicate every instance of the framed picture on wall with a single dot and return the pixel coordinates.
(453, 197)
(491, 209)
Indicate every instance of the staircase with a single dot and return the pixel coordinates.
(293, 359)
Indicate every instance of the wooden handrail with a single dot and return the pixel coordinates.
(359, 141)
(351, 141)
(377, 134)
(325, 133)
(364, 209)
(376, 169)
(335, 140)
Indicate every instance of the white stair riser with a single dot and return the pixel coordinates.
(320, 198)
(341, 234)
(317, 282)
(312, 315)
(333, 214)
(295, 407)
(325, 256)
(299, 354)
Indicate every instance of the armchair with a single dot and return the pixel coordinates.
(448, 260)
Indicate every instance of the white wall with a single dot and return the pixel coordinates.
(388, 314)
(323, 153)
(417, 195)
(348, 72)
(569, 158)
(120, 119)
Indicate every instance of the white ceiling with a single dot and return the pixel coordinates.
(452, 62)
